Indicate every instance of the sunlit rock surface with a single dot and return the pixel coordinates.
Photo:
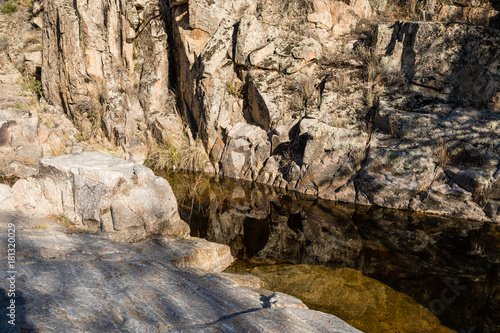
(101, 193)
(73, 282)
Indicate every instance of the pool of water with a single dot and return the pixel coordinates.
(426, 266)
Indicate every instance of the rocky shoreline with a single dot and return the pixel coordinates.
(73, 279)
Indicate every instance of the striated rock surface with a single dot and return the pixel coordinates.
(72, 282)
(107, 63)
(100, 193)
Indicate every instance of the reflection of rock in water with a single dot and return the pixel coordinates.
(414, 253)
(363, 302)
(261, 224)
(255, 235)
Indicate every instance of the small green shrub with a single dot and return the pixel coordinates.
(31, 84)
(235, 90)
(9, 7)
(63, 219)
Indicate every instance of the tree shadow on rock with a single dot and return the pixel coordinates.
(14, 315)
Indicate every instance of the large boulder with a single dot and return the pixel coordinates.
(101, 193)
(330, 157)
(246, 151)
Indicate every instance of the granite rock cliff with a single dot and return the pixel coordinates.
(395, 106)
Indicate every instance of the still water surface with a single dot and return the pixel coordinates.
(380, 270)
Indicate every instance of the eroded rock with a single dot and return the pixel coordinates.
(100, 193)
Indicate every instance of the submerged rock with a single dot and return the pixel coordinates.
(363, 302)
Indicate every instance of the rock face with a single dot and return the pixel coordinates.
(423, 145)
(298, 95)
(108, 63)
(28, 133)
(324, 139)
(82, 282)
(29, 130)
(100, 193)
(464, 60)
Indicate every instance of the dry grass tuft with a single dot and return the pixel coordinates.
(110, 149)
(369, 61)
(31, 39)
(341, 82)
(441, 153)
(167, 156)
(88, 119)
(234, 89)
(31, 84)
(338, 59)
(62, 219)
(302, 92)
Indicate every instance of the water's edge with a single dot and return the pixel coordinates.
(449, 266)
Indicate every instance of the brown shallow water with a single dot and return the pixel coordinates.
(363, 302)
(380, 270)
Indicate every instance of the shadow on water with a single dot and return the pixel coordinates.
(449, 266)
